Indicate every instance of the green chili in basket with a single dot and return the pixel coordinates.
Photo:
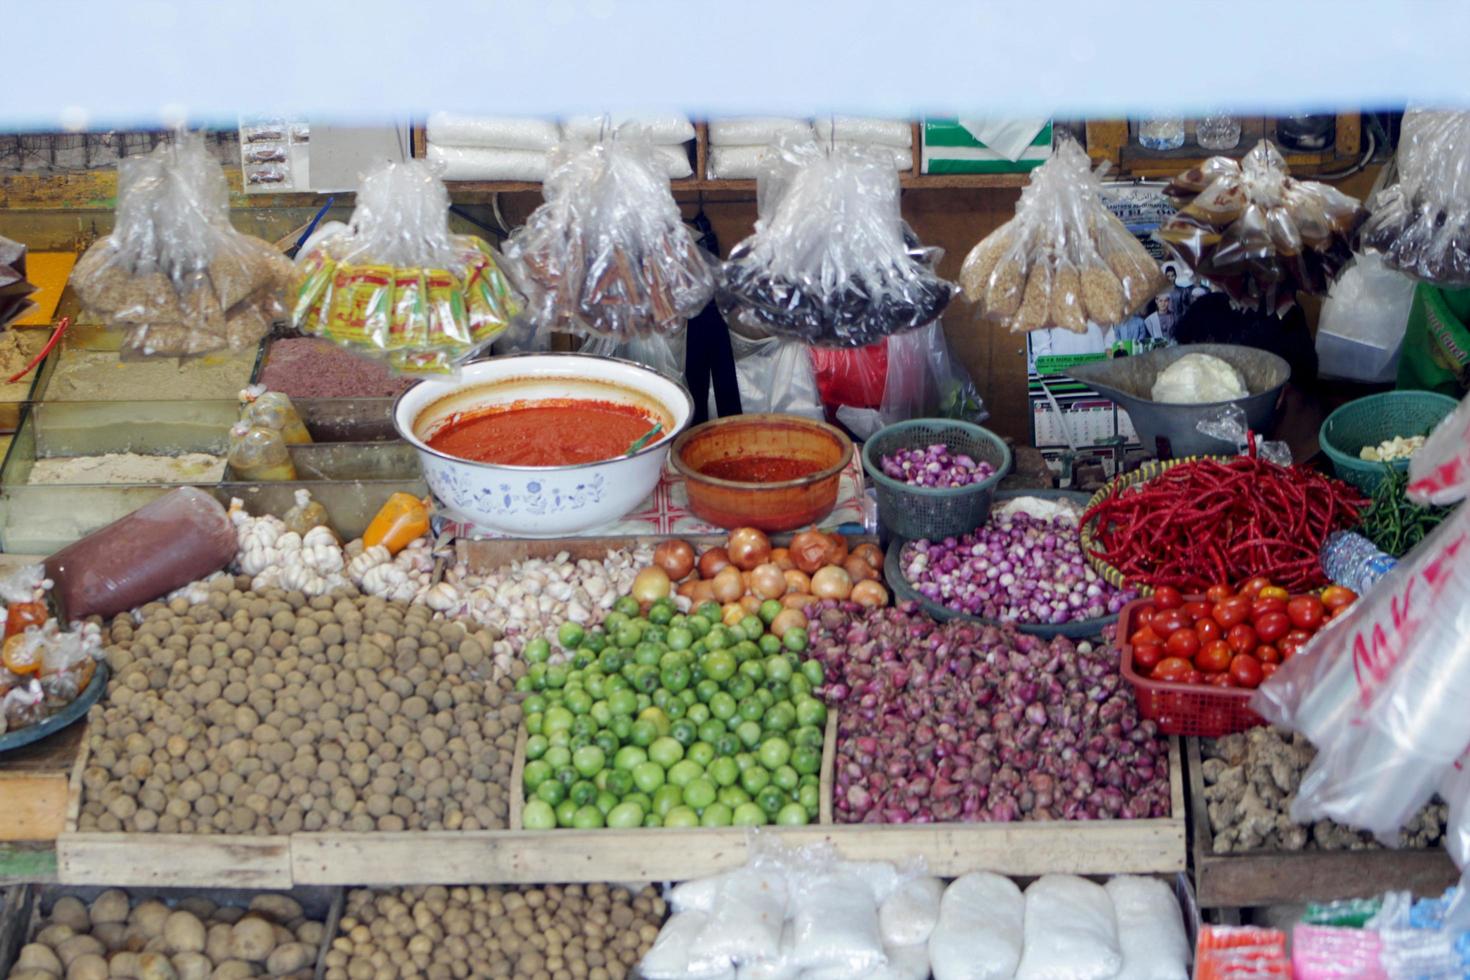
(1393, 522)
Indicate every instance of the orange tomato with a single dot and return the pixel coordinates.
(1273, 592)
(1338, 596)
(1215, 593)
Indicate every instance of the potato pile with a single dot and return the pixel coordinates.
(259, 713)
(194, 939)
(550, 932)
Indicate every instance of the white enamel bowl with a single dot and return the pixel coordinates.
(542, 501)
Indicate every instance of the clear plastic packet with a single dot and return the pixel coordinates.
(273, 410)
(978, 935)
(1064, 260)
(1150, 929)
(1420, 223)
(835, 922)
(607, 253)
(259, 454)
(1257, 233)
(909, 913)
(1070, 932)
(396, 284)
(831, 262)
(174, 276)
(1228, 424)
(663, 353)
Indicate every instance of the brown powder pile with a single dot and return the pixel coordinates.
(309, 367)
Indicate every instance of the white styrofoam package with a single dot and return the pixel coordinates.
(481, 163)
(665, 129)
(502, 132)
(1150, 929)
(835, 923)
(978, 936)
(863, 129)
(755, 130)
(908, 915)
(1070, 931)
(675, 954)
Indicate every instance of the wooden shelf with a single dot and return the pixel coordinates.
(462, 190)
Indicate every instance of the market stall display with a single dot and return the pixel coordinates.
(311, 367)
(396, 284)
(911, 510)
(1371, 435)
(1064, 260)
(1251, 229)
(174, 276)
(82, 375)
(831, 262)
(1420, 223)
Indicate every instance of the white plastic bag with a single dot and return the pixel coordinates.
(904, 963)
(735, 162)
(775, 375)
(899, 159)
(881, 877)
(835, 923)
(504, 132)
(756, 130)
(1421, 223)
(781, 967)
(978, 936)
(677, 954)
(1150, 929)
(487, 163)
(697, 894)
(1454, 789)
(749, 909)
(862, 129)
(1070, 931)
(663, 129)
(909, 914)
(1363, 319)
(663, 353)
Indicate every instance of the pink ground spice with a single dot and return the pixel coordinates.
(309, 367)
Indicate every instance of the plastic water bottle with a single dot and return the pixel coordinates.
(1161, 132)
(1218, 131)
(1352, 560)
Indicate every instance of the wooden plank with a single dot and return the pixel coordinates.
(174, 860)
(97, 190)
(1106, 139)
(517, 773)
(469, 190)
(829, 762)
(27, 861)
(1277, 878)
(74, 782)
(33, 784)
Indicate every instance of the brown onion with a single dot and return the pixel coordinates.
(839, 549)
(703, 591)
(768, 581)
(860, 570)
(712, 561)
(686, 589)
(748, 547)
(798, 581)
(727, 585)
(832, 582)
(870, 593)
(650, 584)
(788, 619)
(797, 600)
(675, 557)
(781, 558)
(751, 604)
(870, 553)
(810, 550)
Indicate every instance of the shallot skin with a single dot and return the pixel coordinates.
(965, 722)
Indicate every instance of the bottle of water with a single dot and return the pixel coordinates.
(1161, 132)
(1352, 560)
(1218, 131)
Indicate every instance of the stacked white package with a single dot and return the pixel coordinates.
(490, 147)
(670, 133)
(737, 146)
(887, 137)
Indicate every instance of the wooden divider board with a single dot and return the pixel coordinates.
(33, 785)
(1281, 877)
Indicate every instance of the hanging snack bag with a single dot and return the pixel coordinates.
(174, 275)
(1421, 222)
(1257, 233)
(608, 254)
(831, 261)
(1064, 260)
(396, 284)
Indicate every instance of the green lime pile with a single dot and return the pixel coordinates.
(670, 720)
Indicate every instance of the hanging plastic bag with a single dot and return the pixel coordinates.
(662, 352)
(775, 375)
(1064, 260)
(174, 276)
(1258, 233)
(831, 261)
(397, 285)
(1363, 319)
(1421, 223)
(1381, 691)
(607, 252)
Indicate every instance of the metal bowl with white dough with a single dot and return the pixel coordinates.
(542, 501)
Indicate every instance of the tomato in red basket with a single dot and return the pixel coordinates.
(1146, 656)
(1292, 642)
(1222, 679)
(1145, 635)
(1261, 607)
(1229, 612)
(1217, 593)
(1197, 609)
(1272, 626)
(1182, 643)
(1268, 669)
(1143, 617)
(1267, 654)
(1208, 629)
(1307, 612)
(1252, 588)
(1214, 657)
(1167, 597)
(1194, 677)
(1273, 592)
(1246, 670)
(1242, 638)
(1167, 621)
(1337, 596)
(1172, 669)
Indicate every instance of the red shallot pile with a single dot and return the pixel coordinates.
(964, 722)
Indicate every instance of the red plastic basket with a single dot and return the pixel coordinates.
(1183, 709)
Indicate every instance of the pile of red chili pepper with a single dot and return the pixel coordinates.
(1222, 520)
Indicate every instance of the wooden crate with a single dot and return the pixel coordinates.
(33, 784)
(1274, 877)
(24, 910)
(492, 553)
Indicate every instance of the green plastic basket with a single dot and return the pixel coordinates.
(1369, 421)
(934, 512)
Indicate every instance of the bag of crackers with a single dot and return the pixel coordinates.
(174, 275)
(1064, 260)
(396, 284)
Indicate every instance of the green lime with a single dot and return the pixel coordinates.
(660, 614)
(706, 689)
(699, 626)
(533, 705)
(537, 651)
(684, 772)
(627, 605)
(710, 611)
(754, 780)
(751, 709)
(752, 627)
(627, 635)
(557, 719)
(578, 702)
(565, 811)
(792, 815)
(605, 802)
(538, 815)
(749, 815)
(733, 796)
(716, 815)
(536, 747)
(621, 727)
(623, 815)
(809, 735)
(724, 771)
(812, 671)
(570, 634)
(769, 610)
(587, 817)
(746, 650)
(774, 753)
(749, 733)
(785, 778)
(622, 702)
(769, 643)
(740, 687)
(642, 800)
(681, 816)
(795, 639)
(699, 793)
(723, 706)
(601, 713)
(665, 798)
(665, 751)
(536, 773)
(810, 798)
(806, 760)
(698, 713)
(771, 800)
(628, 758)
(778, 668)
(551, 791)
(659, 718)
(718, 638)
(558, 756)
(780, 718)
(643, 733)
(711, 730)
(525, 685)
(799, 685)
(619, 782)
(679, 637)
(810, 711)
(727, 744)
(648, 776)
(745, 760)
(582, 792)
(596, 640)
(701, 753)
(556, 675)
(685, 732)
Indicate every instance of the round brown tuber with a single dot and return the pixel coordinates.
(288, 958)
(252, 938)
(39, 956)
(78, 946)
(155, 966)
(192, 966)
(70, 911)
(183, 933)
(232, 970)
(110, 906)
(88, 966)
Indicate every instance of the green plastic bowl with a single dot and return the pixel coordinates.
(1371, 420)
(934, 512)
